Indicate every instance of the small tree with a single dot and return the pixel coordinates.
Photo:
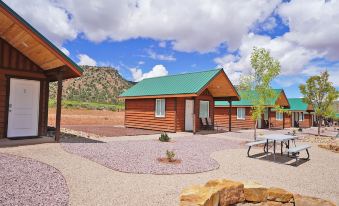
(258, 83)
(321, 94)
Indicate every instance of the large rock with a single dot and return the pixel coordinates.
(300, 200)
(254, 192)
(199, 195)
(230, 192)
(279, 195)
(273, 203)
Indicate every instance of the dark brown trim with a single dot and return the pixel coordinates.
(6, 106)
(58, 107)
(176, 114)
(8, 85)
(230, 116)
(40, 106)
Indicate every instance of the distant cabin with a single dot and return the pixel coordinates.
(178, 102)
(28, 63)
(302, 114)
(241, 112)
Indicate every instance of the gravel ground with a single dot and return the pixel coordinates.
(141, 156)
(109, 131)
(26, 181)
(93, 184)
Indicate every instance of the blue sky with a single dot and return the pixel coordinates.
(145, 38)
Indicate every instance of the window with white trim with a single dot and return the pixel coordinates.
(160, 107)
(241, 113)
(301, 116)
(204, 111)
(279, 116)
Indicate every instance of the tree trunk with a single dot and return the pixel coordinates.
(255, 130)
(319, 124)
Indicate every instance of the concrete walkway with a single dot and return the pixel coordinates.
(93, 184)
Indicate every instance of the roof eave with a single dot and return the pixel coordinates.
(42, 39)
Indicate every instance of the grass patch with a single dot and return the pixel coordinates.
(72, 104)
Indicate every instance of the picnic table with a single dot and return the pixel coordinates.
(282, 138)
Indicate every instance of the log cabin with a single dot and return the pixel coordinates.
(241, 112)
(302, 114)
(177, 102)
(28, 63)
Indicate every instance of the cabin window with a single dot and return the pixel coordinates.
(279, 116)
(241, 113)
(301, 116)
(160, 107)
(204, 109)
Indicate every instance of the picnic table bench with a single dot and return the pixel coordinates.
(251, 144)
(296, 150)
(282, 139)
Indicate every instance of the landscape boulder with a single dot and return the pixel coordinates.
(300, 200)
(254, 192)
(199, 195)
(279, 195)
(230, 192)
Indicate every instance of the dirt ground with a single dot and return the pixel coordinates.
(87, 117)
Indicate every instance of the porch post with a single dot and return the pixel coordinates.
(283, 120)
(58, 107)
(230, 117)
(194, 116)
(269, 117)
(310, 119)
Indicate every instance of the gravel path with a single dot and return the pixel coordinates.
(141, 156)
(25, 181)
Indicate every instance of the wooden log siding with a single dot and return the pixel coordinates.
(221, 118)
(15, 64)
(140, 113)
(288, 120)
(276, 124)
(306, 122)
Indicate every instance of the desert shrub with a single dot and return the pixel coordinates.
(164, 137)
(300, 129)
(170, 155)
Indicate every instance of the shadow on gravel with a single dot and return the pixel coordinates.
(282, 159)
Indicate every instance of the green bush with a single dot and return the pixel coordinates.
(164, 137)
(170, 155)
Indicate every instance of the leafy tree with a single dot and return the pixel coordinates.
(321, 94)
(264, 69)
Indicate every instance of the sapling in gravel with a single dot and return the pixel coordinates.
(170, 155)
(164, 137)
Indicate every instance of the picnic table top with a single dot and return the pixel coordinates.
(279, 137)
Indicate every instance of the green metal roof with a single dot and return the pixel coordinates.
(244, 101)
(40, 35)
(188, 83)
(297, 104)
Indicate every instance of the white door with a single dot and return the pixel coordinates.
(189, 110)
(23, 111)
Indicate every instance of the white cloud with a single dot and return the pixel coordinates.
(65, 51)
(334, 77)
(48, 17)
(156, 71)
(269, 24)
(162, 44)
(153, 55)
(293, 58)
(84, 59)
(313, 24)
(189, 25)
